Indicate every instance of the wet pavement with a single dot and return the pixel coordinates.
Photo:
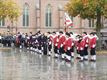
(16, 64)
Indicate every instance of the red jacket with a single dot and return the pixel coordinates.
(92, 42)
(61, 41)
(51, 37)
(68, 44)
(86, 40)
(50, 40)
(55, 41)
(81, 45)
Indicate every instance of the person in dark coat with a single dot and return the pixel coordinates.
(50, 39)
(39, 39)
(44, 43)
(30, 41)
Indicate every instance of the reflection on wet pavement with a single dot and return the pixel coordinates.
(18, 64)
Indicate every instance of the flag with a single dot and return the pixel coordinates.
(68, 22)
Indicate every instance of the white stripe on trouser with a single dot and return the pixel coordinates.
(94, 57)
(68, 57)
(56, 55)
(86, 57)
(41, 48)
(30, 48)
(35, 50)
(49, 52)
(63, 55)
(72, 54)
(20, 46)
(40, 51)
(81, 58)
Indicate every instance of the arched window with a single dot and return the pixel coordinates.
(2, 22)
(26, 15)
(48, 16)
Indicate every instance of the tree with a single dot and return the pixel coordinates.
(9, 9)
(12, 10)
(89, 9)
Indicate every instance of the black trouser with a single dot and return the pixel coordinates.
(72, 49)
(68, 52)
(55, 49)
(45, 49)
(25, 45)
(39, 47)
(9, 43)
(49, 47)
(92, 51)
(85, 51)
(35, 46)
(61, 50)
(81, 53)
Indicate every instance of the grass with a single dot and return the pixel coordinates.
(102, 52)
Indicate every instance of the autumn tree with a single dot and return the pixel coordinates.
(9, 9)
(89, 9)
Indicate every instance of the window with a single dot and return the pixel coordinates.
(91, 22)
(2, 22)
(26, 15)
(48, 16)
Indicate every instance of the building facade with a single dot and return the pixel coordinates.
(44, 15)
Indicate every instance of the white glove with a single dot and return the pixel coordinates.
(86, 45)
(61, 45)
(28, 38)
(57, 40)
(42, 48)
(56, 44)
(57, 51)
(87, 40)
(81, 48)
(72, 44)
(68, 48)
(50, 42)
(93, 46)
(64, 43)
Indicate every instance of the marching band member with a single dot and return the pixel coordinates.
(61, 42)
(67, 47)
(33, 42)
(86, 40)
(25, 43)
(40, 48)
(30, 41)
(77, 47)
(50, 39)
(55, 42)
(81, 48)
(92, 44)
(36, 43)
(44, 43)
(73, 40)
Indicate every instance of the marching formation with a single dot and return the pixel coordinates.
(63, 45)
